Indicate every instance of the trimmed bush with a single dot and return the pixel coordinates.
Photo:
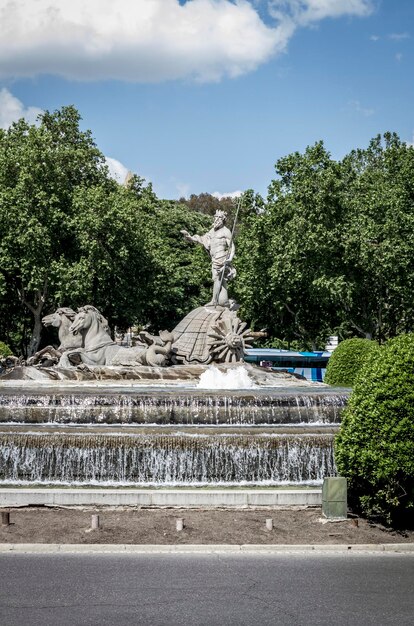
(5, 350)
(346, 361)
(374, 449)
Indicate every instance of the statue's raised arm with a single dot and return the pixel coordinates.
(218, 242)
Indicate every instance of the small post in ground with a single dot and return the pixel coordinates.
(95, 522)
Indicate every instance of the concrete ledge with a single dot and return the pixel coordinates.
(53, 548)
(180, 498)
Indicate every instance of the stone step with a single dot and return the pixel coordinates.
(181, 498)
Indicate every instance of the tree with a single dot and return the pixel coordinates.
(207, 204)
(180, 274)
(290, 262)
(70, 235)
(377, 237)
(331, 249)
(109, 265)
(41, 167)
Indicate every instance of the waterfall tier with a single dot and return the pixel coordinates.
(165, 459)
(166, 406)
(143, 435)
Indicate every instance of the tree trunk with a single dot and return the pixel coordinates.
(36, 309)
(36, 335)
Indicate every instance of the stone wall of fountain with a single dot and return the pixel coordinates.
(165, 436)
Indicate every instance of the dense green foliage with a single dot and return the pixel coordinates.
(208, 204)
(378, 238)
(327, 252)
(290, 250)
(41, 169)
(375, 446)
(4, 350)
(346, 361)
(180, 273)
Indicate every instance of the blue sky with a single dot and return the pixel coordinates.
(206, 95)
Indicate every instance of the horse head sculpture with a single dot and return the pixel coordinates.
(62, 318)
(94, 328)
(57, 317)
(88, 316)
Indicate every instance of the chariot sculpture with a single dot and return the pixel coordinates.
(212, 333)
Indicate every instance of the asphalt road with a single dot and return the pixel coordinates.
(208, 589)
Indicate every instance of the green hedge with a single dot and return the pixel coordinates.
(375, 446)
(5, 350)
(346, 361)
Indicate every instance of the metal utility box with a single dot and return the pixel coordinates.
(334, 497)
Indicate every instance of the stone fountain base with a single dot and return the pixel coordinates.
(176, 373)
(148, 426)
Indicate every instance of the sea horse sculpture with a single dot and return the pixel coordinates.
(159, 348)
(100, 349)
(62, 318)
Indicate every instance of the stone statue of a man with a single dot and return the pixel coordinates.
(218, 242)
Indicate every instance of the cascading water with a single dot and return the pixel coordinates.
(166, 459)
(164, 406)
(162, 436)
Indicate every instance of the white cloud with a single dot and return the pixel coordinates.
(12, 109)
(183, 189)
(392, 36)
(229, 194)
(398, 57)
(304, 12)
(151, 40)
(357, 107)
(137, 40)
(399, 36)
(117, 170)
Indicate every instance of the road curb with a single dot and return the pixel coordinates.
(54, 548)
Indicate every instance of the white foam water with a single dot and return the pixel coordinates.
(165, 459)
(235, 378)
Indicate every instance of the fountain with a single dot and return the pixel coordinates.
(178, 409)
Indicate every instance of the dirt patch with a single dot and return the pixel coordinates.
(158, 526)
